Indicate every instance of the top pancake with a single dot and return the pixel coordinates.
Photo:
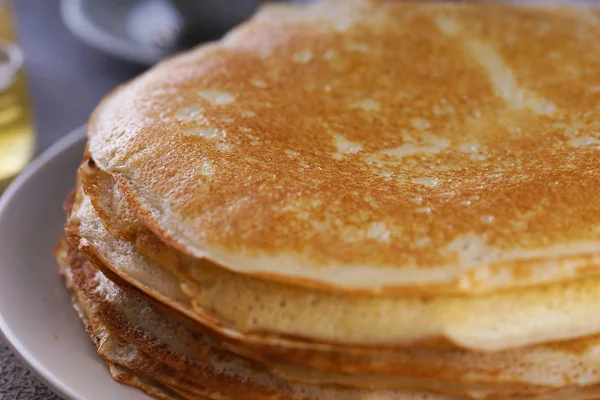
(373, 146)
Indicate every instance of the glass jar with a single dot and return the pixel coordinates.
(17, 136)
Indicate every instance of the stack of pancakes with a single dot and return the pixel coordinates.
(351, 200)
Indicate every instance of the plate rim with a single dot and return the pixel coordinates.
(10, 338)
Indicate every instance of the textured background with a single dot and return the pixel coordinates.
(66, 81)
(17, 383)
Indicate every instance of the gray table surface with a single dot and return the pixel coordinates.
(66, 81)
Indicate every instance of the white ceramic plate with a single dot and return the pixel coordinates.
(36, 316)
(141, 31)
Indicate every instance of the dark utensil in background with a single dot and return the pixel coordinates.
(210, 19)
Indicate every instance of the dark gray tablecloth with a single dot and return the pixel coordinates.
(66, 81)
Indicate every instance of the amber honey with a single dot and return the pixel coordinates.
(17, 137)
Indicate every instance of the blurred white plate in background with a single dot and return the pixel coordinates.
(146, 31)
(141, 31)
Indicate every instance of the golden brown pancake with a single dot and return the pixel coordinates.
(308, 146)
(142, 347)
(86, 309)
(523, 371)
(351, 200)
(128, 331)
(259, 311)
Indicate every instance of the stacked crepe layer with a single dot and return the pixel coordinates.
(548, 370)
(371, 200)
